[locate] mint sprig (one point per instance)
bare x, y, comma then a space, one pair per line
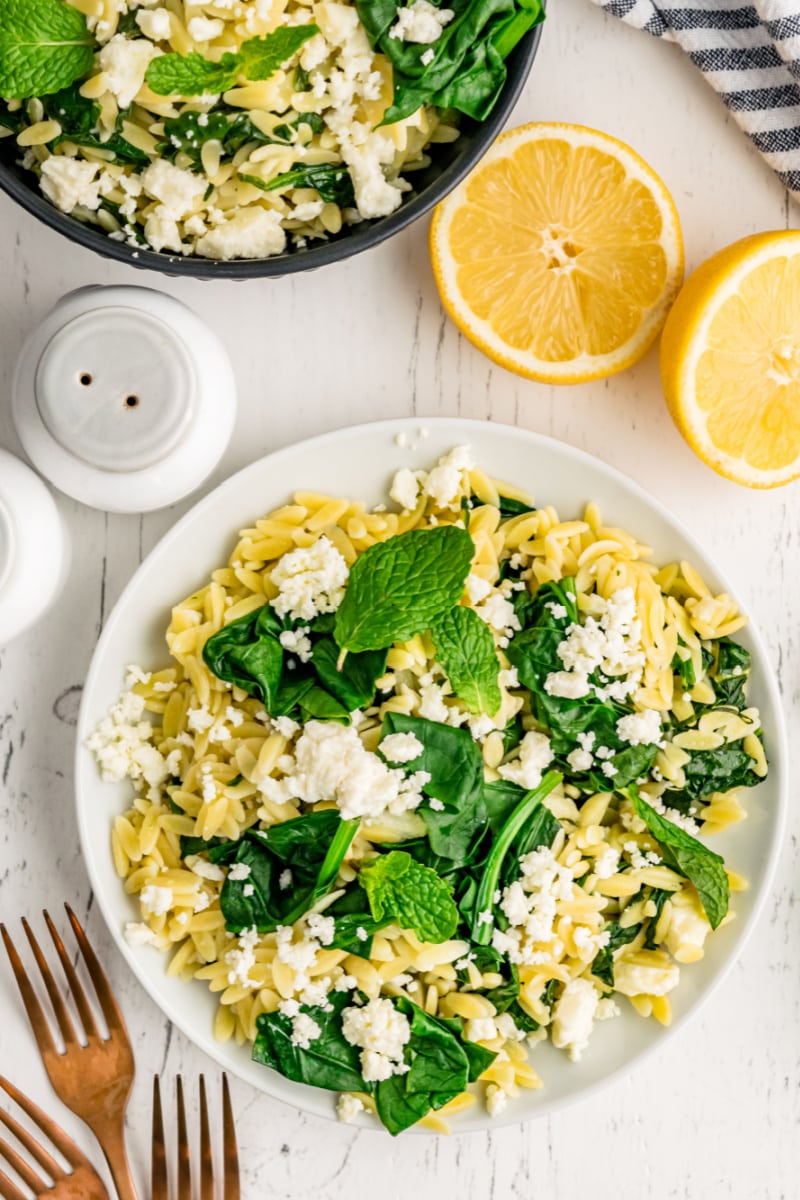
397, 588
465, 648
44, 46
402, 890
257, 59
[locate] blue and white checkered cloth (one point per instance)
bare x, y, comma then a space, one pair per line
749, 53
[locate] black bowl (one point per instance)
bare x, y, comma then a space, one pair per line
450, 163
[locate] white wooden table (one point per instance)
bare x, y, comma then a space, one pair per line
716, 1114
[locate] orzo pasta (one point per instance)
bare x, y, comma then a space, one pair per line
419, 789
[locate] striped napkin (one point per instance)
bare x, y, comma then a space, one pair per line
749, 53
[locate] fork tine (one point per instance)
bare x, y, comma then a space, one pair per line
56, 999
45, 1160
110, 1008
75, 985
8, 1190
184, 1163
231, 1150
206, 1156
158, 1170
39, 1023
54, 1132
23, 1169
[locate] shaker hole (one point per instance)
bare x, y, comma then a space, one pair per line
86, 379
131, 401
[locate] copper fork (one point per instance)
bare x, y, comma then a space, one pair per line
230, 1177
80, 1183
94, 1079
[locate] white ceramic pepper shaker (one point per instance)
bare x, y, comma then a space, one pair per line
34, 548
123, 398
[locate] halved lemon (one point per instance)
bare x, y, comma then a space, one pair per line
730, 360
560, 254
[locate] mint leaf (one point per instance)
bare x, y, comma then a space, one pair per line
191, 74
465, 648
401, 890
262, 56
45, 45
397, 588
691, 858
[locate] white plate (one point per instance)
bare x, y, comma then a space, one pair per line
359, 462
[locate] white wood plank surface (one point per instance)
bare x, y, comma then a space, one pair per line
717, 1114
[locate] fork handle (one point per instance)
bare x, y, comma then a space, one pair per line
111, 1136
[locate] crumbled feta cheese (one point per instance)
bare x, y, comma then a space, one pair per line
382, 1034
607, 863
252, 232
436, 804
535, 755
530, 904
645, 979
70, 182
348, 1107
331, 763
242, 958
156, 900
154, 23
401, 747
610, 643
124, 62
286, 727
199, 719
305, 1030
427, 58
297, 641
640, 728
499, 614
432, 705
420, 22
581, 759
322, 928
248, 890
478, 588
138, 934
204, 869
405, 489
496, 1100
688, 928
573, 1017
239, 872
285, 879
310, 581
205, 29
508, 678
136, 675
480, 1029
480, 725
444, 483
122, 745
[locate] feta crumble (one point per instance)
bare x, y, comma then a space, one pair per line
421, 22
310, 581
382, 1033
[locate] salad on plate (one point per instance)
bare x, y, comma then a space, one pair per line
424, 786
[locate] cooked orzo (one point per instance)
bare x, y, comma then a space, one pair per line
419, 789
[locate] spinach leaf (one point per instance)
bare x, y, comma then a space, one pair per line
354, 684
730, 673
465, 648
329, 1062
719, 770
455, 765
216, 849
311, 847
534, 650
468, 70
440, 1068
398, 587
334, 183
411, 895
603, 964
514, 508
189, 132
659, 897
490, 880
247, 653
79, 119
689, 857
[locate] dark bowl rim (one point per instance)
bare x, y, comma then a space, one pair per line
372, 234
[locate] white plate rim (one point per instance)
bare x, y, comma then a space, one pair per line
400, 430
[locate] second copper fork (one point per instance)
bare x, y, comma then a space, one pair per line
38, 1170
230, 1165
92, 1075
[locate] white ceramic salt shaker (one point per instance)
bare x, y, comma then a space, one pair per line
34, 548
124, 399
